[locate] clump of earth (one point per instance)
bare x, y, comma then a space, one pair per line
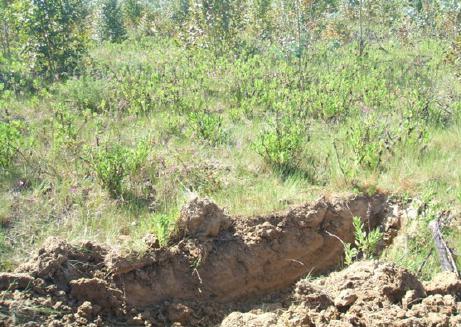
233, 271
367, 293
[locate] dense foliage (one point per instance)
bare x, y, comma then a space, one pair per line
111, 26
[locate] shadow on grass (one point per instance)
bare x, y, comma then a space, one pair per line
286, 172
135, 204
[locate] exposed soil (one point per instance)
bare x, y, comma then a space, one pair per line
234, 272
365, 294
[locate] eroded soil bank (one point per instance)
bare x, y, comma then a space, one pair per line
218, 264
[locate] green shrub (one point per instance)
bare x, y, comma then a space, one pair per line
208, 127
132, 10
367, 140
202, 178
113, 163
65, 131
172, 124
371, 139
10, 142
162, 227
366, 244
111, 168
84, 93
328, 96
138, 156
280, 145
350, 253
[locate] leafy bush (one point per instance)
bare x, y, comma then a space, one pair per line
200, 178
65, 131
350, 253
110, 165
163, 224
220, 21
208, 127
328, 96
139, 91
367, 140
113, 163
10, 143
370, 140
365, 244
280, 145
84, 93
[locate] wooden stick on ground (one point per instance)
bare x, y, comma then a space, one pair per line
444, 253
418, 273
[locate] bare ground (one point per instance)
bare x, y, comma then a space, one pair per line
220, 270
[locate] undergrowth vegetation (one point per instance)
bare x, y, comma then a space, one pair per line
365, 244
257, 104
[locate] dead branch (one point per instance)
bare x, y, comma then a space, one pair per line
446, 258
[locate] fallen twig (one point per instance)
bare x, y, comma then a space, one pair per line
424, 262
446, 258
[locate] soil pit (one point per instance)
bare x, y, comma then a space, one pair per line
230, 271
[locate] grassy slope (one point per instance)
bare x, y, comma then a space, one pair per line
147, 91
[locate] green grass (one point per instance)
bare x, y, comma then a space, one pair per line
161, 93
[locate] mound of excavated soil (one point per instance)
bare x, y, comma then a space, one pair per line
365, 294
216, 265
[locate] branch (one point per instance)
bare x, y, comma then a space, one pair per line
446, 258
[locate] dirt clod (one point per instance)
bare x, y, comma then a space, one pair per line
97, 291
13, 281
444, 283
202, 218
410, 298
264, 319
59, 262
151, 241
87, 310
346, 298
179, 313
312, 296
